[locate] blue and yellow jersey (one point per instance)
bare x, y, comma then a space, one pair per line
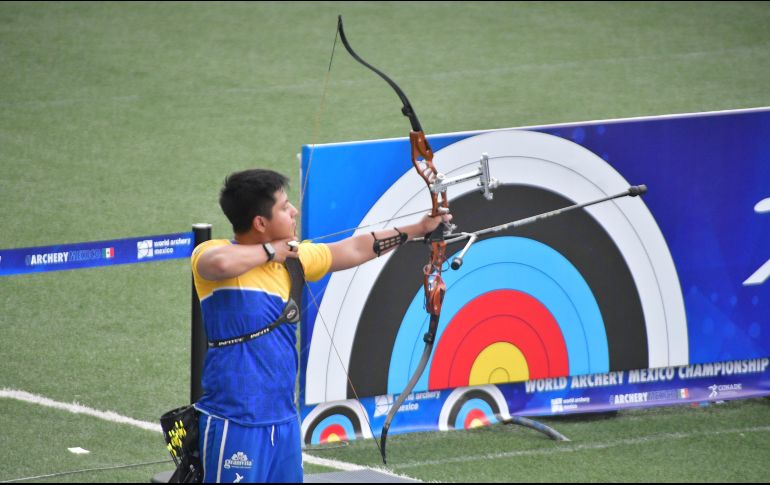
252, 383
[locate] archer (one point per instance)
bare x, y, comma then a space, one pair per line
249, 424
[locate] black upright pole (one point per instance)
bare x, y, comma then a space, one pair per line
202, 233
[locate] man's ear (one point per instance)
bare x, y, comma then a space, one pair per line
259, 224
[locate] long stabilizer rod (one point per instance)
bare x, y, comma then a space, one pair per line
633, 191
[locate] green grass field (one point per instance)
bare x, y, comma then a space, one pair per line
122, 119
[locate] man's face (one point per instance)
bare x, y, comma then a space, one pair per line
283, 224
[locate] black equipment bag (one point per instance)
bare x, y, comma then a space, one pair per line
180, 430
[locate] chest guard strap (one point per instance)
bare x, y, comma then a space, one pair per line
290, 313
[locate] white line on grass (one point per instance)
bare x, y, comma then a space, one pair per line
76, 408
566, 448
340, 465
114, 417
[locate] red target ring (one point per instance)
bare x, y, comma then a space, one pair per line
476, 418
336, 431
506, 316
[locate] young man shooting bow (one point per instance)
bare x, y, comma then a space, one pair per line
249, 427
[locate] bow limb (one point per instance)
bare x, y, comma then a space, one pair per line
407, 106
434, 287
412, 382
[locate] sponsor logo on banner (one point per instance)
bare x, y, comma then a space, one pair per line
630, 398
669, 395
727, 390
47, 258
561, 405
144, 249
151, 248
382, 405
65, 257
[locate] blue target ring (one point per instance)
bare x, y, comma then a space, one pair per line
471, 406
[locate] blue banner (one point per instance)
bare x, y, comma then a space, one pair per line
677, 280
61, 257
469, 407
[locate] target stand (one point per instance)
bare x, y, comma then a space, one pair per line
537, 426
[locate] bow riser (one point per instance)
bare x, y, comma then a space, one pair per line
434, 294
421, 149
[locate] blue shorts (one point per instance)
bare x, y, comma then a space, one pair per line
233, 453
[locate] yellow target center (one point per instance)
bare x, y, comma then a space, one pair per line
499, 363
476, 423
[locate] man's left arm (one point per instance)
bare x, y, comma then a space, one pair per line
357, 250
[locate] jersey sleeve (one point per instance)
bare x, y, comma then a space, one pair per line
316, 260
203, 286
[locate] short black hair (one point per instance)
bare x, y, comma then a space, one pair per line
248, 194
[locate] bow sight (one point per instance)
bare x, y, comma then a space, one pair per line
486, 182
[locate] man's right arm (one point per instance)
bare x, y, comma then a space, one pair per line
225, 262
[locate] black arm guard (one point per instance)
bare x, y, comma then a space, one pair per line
383, 245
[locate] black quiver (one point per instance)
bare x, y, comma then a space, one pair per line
180, 430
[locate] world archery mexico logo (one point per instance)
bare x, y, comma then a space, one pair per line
144, 249
382, 405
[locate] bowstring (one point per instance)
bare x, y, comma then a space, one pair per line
317, 124
339, 357
351, 229
301, 202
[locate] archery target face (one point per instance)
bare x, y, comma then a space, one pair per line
331, 423
591, 291
467, 408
